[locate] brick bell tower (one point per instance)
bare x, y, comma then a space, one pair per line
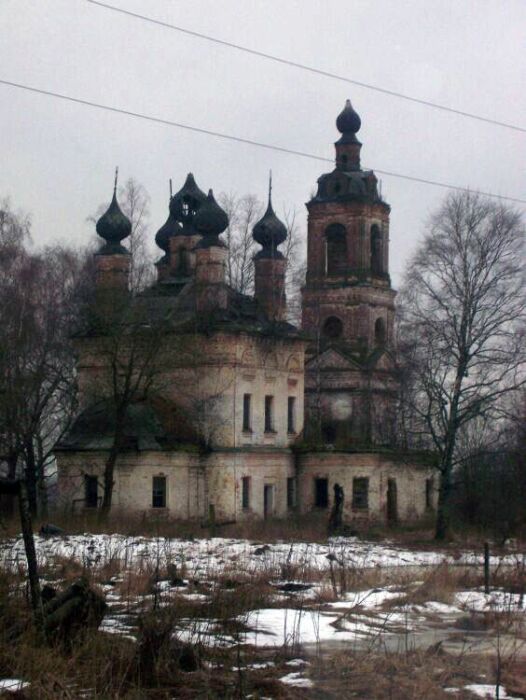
348, 302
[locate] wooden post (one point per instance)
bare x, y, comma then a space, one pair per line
486, 567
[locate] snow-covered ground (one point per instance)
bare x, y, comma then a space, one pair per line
210, 556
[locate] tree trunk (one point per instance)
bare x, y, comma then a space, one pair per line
32, 568
109, 471
31, 477
442, 525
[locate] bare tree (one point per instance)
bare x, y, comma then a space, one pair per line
462, 325
243, 213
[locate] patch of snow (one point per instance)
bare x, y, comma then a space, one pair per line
297, 680
478, 601
369, 599
488, 692
274, 627
12, 685
297, 662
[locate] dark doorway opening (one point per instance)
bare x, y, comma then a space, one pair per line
91, 491
268, 500
392, 501
321, 493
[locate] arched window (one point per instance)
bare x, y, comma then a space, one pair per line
376, 250
380, 332
336, 247
333, 327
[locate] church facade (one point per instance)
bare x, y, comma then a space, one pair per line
208, 402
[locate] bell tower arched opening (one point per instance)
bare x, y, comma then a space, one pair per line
376, 250
336, 249
380, 332
332, 328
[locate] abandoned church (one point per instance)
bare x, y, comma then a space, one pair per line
196, 399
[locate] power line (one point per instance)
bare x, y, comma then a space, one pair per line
310, 69
238, 139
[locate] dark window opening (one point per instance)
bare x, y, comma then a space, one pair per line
159, 492
344, 159
380, 334
291, 414
376, 250
336, 247
91, 491
360, 493
333, 327
429, 494
291, 492
245, 492
321, 493
246, 413
328, 431
392, 501
269, 418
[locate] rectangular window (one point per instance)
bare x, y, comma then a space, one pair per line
291, 492
245, 492
159, 492
291, 415
91, 491
246, 413
269, 418
321, 493
360, 493
429, 494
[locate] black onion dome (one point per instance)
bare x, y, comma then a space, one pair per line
168, 229
114, 226
269, 232
210, 221
187, 201
348, 121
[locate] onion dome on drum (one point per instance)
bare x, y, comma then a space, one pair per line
186, 203
168, 229
113, 226
269, 232
210, 221
348, 121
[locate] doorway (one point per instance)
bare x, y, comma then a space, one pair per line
321, 493
268, 500
392, 502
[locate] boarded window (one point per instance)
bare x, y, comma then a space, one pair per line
269, 410
336, 247
245, 492
246, 412
429, 494
360, 492
291, 492
321, 493
291, 414
91, 491
159, 492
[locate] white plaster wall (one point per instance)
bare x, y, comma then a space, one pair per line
342, 468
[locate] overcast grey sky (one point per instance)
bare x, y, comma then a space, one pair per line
58, 158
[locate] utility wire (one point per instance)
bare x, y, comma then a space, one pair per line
310, 69
238, 139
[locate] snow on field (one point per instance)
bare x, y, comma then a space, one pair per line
488, 692
209, 556
12, 685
